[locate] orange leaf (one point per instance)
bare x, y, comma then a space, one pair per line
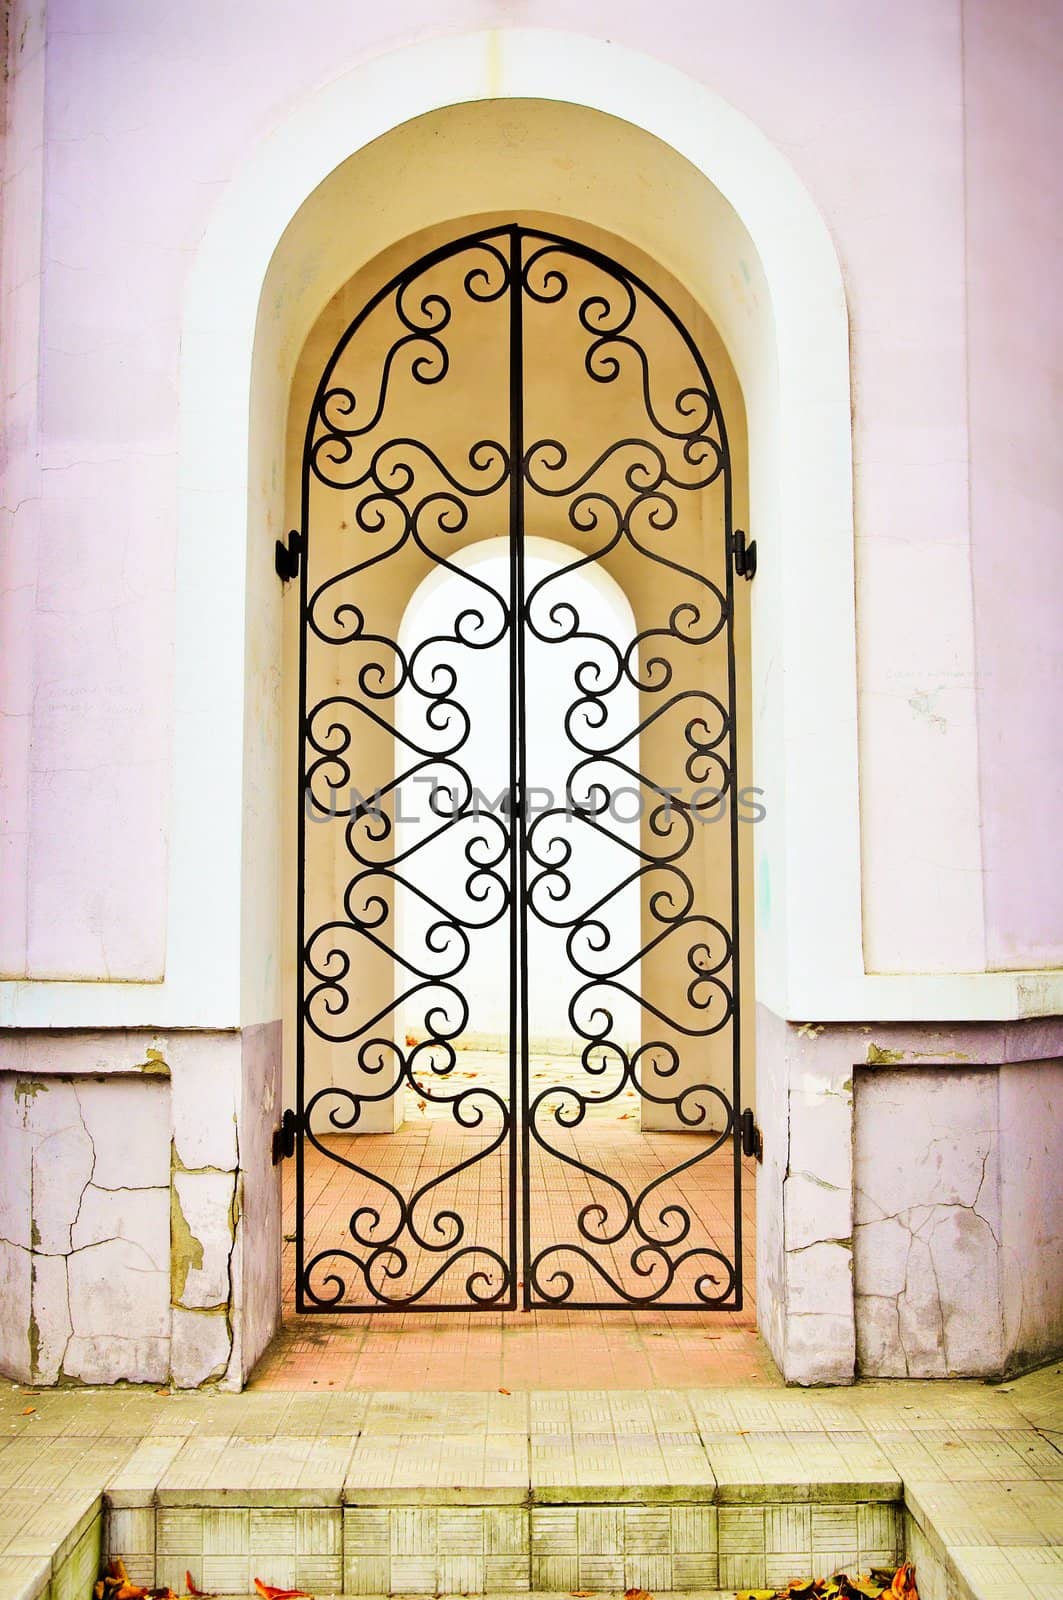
28, 1412
505, 1391
190, 1585
582, 1594
116, 1570
411, 1038
131, 1591
268, 1592
637, 1594
421, 1105
904, 1582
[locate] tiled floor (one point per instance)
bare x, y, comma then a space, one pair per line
541, 1348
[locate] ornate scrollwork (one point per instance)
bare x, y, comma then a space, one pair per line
400, 500
634, 1246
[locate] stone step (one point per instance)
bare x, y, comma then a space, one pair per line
502, 1494
418, 1542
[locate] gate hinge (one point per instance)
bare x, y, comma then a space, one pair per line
752, 1142
284, 1137
286, 556
745, 554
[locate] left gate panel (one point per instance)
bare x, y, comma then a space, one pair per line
405, 1169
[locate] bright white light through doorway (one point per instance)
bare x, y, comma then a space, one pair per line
597, 863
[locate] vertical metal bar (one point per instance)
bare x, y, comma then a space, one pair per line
736, 1014
300, 897
518, 737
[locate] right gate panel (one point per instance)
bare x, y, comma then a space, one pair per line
630, 1168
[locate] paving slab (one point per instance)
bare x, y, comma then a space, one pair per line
25, 1577
267, 1471
596, 1489
813, 1465
461, 1468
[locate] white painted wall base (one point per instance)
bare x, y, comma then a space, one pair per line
139, 1209
908, 1223
958, 1220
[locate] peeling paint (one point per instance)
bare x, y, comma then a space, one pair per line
940, 1055
33, 1332
877, 1057
186, 1251
154, 1066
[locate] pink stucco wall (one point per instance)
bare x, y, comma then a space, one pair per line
1013, 65
148, 112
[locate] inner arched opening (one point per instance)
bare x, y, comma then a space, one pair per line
554, 1042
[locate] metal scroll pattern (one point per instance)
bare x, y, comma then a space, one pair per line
405, 508
637, 1241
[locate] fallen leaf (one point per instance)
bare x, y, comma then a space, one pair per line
28, 1412
582, 1594
97, 1590
190, 1585
865, 1586
637, 1594
131, 1591
904, 1582
164, 1391
116, 1570
421, 1105
268, 1592
505, 1391
755, 1594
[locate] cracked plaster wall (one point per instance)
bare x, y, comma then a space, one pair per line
84, 1227
804, 1201
909, 1213
928, 1223
958, 1237
1031, 1203
125, 1251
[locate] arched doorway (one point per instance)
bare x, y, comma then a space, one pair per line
515, 384
455, 127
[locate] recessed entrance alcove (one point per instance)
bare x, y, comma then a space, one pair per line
521, 858
590, 177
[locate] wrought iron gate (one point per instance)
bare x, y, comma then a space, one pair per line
516, 393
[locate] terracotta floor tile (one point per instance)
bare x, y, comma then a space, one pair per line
611, 1346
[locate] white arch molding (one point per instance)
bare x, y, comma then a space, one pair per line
221, 970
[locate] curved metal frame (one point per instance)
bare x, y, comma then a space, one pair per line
517, 868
